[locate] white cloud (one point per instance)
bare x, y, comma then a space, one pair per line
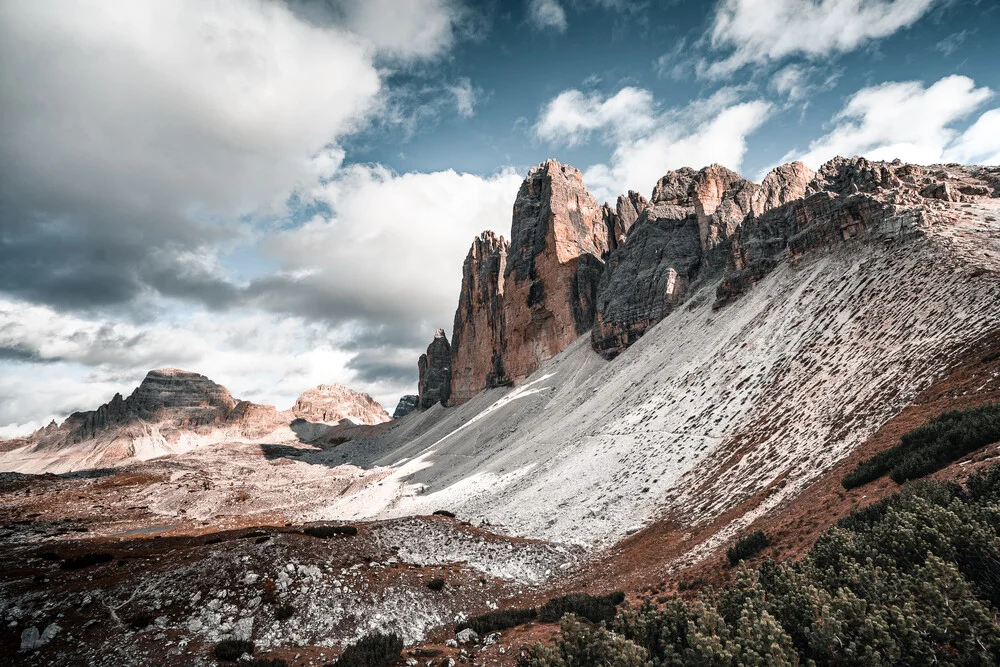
980, 143
648, 141
758, 31
407, 30
547, 14
909, 121
466, 98
571, 116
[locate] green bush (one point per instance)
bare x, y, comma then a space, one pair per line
284, 612
374, 650
594, 608
232, 649
498, 620
931, 447
747, 546
911, 580
435, 584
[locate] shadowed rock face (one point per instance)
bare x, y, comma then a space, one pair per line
331, 403
477, 337
684, 235
406, 405
558, 237
434, 385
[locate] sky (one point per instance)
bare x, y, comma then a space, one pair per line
280, 193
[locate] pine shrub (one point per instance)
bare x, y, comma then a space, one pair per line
498, 620
594, 608
329, 531
747, 546
373, 650
931, 447
86, 560
435, 584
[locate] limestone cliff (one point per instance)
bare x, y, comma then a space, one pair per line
477, 337
434, 368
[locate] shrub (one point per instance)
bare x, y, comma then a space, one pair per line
931, 447
435, 584
594, 608
284, 612
372, 650
86, 560
910, 580
450, 515
232, 649
747, 546
497, 620
329, 531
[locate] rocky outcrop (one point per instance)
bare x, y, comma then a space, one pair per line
558, 236
782, 185
434, 385
684, 235
333, 403
620, 219
847, 199
477, 337
187, 399
406, 405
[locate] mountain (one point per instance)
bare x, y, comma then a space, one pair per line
173, 411
758, 334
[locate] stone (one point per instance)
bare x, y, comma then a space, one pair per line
558, 236
406, 405
477, 336
333, 403
722, 199
619, 220
467, 635
434, 367
32, 640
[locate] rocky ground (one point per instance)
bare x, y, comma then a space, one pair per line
199, 548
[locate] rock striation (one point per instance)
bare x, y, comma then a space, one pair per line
477, 337
406, 405
434, 367
333, 403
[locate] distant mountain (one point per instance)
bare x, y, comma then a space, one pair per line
173, 411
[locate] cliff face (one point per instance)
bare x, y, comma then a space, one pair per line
477, 337
434, 367
685, 235
558, 237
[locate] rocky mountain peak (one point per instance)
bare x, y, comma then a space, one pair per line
434, 367
332, 403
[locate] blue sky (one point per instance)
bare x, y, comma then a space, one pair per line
279, 193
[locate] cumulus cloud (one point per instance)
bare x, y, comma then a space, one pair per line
914, 123
572, 116
466, 97
758, 31
547, 15
649, 141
